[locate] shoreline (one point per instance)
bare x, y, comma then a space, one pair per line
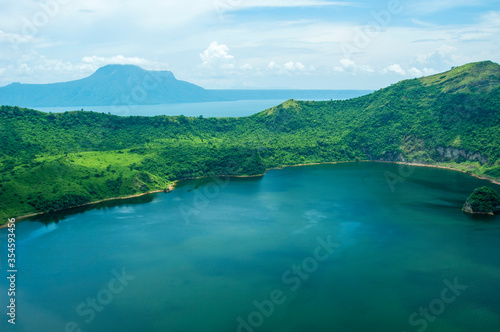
172, 186
497, 182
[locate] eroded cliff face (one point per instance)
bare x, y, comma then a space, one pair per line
454, 154
393, 157
468, 208
440, 154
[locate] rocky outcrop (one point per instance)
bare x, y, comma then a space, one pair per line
454, 154
484, 200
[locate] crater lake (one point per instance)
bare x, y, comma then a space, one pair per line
345, 247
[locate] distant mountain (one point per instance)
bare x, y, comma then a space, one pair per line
131, 85
109, 85
226, 95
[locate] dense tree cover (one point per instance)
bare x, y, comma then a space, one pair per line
53, 161
483, 200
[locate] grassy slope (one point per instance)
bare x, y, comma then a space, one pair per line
53, 161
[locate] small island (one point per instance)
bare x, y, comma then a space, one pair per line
483, 200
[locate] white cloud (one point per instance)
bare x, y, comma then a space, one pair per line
294, 66
348, 65
290, 68
415, 72
92, 63
290, 65
14, 38
117, 59
146, 33
395, 68
24, 68
492, 18
441, 57
272, 65
217, 55
35, 68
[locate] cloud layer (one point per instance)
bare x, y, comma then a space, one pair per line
247, 43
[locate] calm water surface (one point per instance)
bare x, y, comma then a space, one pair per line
252, 254
207, 109
236, 108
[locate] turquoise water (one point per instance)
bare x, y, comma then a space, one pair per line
207, 109
319, 248
236, 108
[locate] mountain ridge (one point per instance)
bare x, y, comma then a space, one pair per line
476, 77
109, 85
125, 85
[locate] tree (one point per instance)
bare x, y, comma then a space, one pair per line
483, 200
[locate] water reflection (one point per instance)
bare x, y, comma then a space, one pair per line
56, 217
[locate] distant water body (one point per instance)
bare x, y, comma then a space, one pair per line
341, 247
237, 108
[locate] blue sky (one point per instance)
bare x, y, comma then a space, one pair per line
304, 44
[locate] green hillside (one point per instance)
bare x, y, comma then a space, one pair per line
479, 77
54, 161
